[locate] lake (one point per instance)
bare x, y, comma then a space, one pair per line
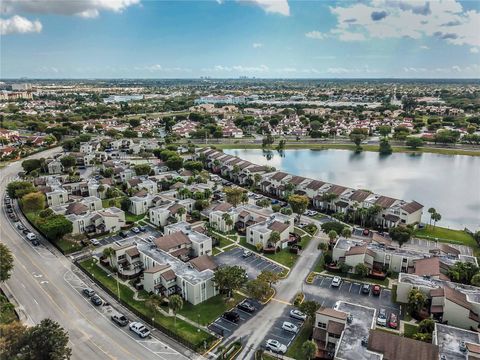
449, 183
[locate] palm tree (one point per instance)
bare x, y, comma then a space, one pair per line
309, 349
227, 219
431, 211
153, 302
175, 303
372, 212
181, 211
332, 235
109, 252
435, 217
274, 238
256, 179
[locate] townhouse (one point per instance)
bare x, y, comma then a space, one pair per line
97, 222
259, 234
167, 211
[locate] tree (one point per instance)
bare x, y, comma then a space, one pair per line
68, 161
385, 147
298, 203
346, 232
475, 281
31, 164
142, 169
6, 262
230, 278
431, 211
227, 219
258, 289
384, 130
269, 277
108, 253
463, 272
332, 225
17, 189
309, 349
400, 234
256, 179
181, 211
416, 300
426, 326
436, 217
309, 308
175, 303
274, 238
125, 204
34, 201
174, 162
357, 139
414, 142
332, 235
193, 165
54, 227
361, 270
153, 302
134, 122
234, 195
345, 268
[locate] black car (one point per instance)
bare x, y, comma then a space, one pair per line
123, 234
365, 289
232, 316
25, 231
120, 319
142, 228
10, 210
95, 299
246, 306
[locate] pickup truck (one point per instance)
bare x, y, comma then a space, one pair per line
139, 329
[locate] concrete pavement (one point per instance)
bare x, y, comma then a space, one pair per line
42, 283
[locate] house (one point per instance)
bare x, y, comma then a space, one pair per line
456, 343
55, 167
99, 222
259, 234
160, 215
57, 197
196, 243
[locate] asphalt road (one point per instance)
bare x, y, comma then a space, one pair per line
44, 284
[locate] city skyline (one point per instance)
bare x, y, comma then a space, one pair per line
228, 39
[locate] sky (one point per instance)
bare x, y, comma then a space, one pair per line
232, 38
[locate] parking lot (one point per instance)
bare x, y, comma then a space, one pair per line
149, 231
349, 291
253, 264
224, 327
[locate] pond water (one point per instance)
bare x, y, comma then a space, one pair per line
449, 183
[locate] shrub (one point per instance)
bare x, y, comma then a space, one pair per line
332, 225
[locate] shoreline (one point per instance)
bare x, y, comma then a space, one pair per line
371, 148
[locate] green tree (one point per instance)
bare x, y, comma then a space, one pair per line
309, 308
34, 201
227, 219
332, 235
426, 326
142, 169
475, 280
17, 189
230, 278
431, 211
346, 232
258, 289
54, 227
361, 270
174, 162
274, 238
416, 300
6, 262
400, 234
175, 303
463, 272
414, 142
309, 349
436, 217
153, 302
298, 203
256, 179
385, 147
234, 195
68, 161
134, 122
269, 277
108, 253
384, 130
193, 165
31, 164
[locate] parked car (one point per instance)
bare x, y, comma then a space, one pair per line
94, 242
246, 306
246, 253
151, 238
31, 236
337, 281
393, 321
95, 299
376, 290
275, 346
89, 292
142, 228
365, 289
35, 243
123, 234
10, 210
232, 316
382, 317
366, 232
288, 326
297, 314
20, 226
139, 329
120, 319
25, 231
135, 230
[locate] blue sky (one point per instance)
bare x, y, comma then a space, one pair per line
224, 39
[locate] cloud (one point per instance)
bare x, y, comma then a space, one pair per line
257, 45
19, 25
401, 19
316, 35
378, 15
425, 47
474, 50
159, 68
238, 68
271, 6
83, 8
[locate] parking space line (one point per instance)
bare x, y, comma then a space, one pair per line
222, 327
350, 288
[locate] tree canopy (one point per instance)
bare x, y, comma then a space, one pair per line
6, 262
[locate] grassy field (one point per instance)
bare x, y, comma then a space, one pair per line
446, 235
374, 148
209, 310
223, 241
182, 329
295, 349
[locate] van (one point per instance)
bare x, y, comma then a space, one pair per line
31, 236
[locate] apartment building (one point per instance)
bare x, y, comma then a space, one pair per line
99, 222
259, 234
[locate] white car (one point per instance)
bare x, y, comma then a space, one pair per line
297, 314
95, 242
247, 253
275, 346
151, 238
139, 329
337, 281
382, 317
136, 230
288, 326
31, 236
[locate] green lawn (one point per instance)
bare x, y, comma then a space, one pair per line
409, 330
446, 235
117, 202
223, 242
183, 329
295, 349
215, 251
129, 217
7, 312
284, 256
211, 309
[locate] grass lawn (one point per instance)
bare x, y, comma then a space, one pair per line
318, 216
384, 283
295, 349
117, 202
446, 235
223, 242
409, 330
215, 251
7, 312
211, 309
284, 256
129, 217
182, 329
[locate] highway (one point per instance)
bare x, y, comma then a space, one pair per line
45, 285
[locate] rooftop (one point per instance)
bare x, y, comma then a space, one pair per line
448, 339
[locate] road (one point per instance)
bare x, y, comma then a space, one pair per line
44, 284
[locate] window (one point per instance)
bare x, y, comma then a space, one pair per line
322, 325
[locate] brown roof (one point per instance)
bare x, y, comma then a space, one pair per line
358, 250
394, 347
335, 327
315, 185
76, 208
437, 292
171, 241
385, 201
456, 297
412, 207
279, 176
134, 182
359, 195
180, 252
141, 193
174, 208
332, 313
168, 275
319, 334
244, 214
203, 262
132, 252
223, 207
156, 268
449, 249
297, 180
336, 189
106, 181
473, 348
428, 266
278, 226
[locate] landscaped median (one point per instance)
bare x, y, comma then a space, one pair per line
184, 332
